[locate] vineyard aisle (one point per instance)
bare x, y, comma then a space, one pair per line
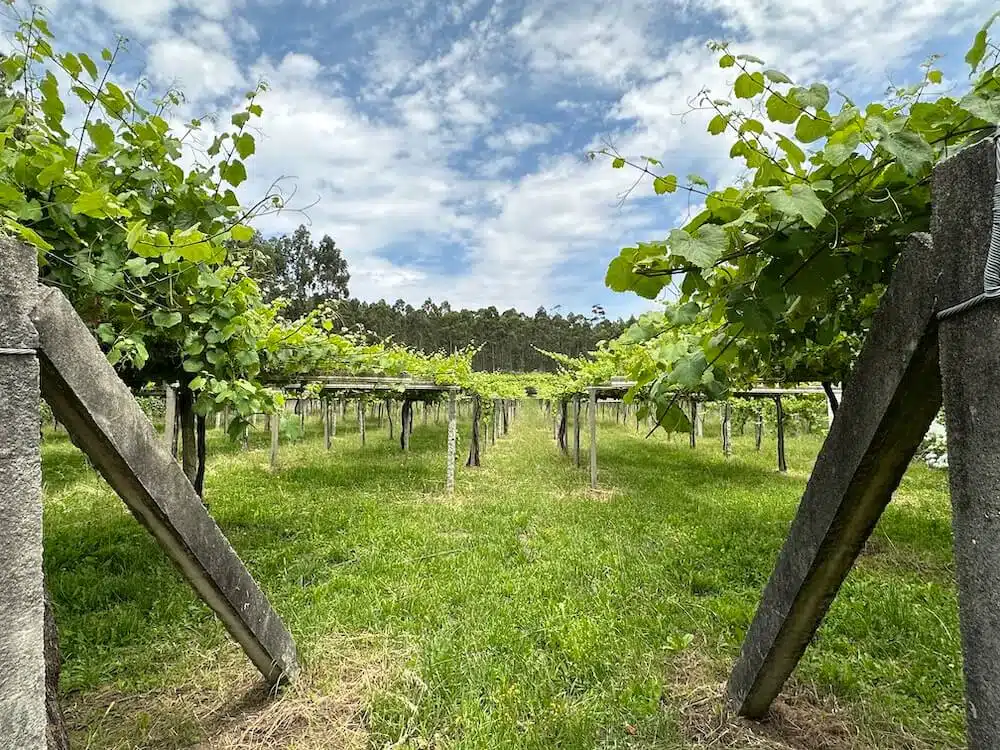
525, 610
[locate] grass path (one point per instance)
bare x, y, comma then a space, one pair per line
524, 611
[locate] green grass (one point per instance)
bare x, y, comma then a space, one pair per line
524, 611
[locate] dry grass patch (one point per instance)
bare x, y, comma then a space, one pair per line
800, 719
327, 707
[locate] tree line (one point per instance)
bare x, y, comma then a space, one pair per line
308, 273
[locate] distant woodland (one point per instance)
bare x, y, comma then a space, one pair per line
309, 273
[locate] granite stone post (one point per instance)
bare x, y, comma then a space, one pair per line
965, 217
22, 604
890, 400
452, 443
694, 424
325, 411
104, 418
275, 420
593, 437
727, 430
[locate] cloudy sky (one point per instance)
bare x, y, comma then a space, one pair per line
444, 141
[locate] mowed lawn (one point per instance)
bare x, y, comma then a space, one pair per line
523, 611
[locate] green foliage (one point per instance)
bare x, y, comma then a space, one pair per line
303, 272
526, 613
786, 267
136, 240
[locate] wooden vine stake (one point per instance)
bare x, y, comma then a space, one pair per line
780, 428
576, 431
477, 415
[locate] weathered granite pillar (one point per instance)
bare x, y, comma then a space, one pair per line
965, 217
592, 416
694, 424
101, 414
452, 442
22, 604
727, 430
890, 400
275, 422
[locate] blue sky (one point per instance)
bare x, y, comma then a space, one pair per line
444, 142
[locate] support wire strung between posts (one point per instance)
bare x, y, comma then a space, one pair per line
991, 274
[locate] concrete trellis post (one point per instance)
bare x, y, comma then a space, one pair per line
275, 421
694, 423
105, 420
727, 429
893, 395
593, 437
966, 223
22, 614
452, 442
758, 427
325, 412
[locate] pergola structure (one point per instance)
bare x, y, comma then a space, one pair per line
616, 389
409, 390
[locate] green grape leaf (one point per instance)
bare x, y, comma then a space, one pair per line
985, 105
799, 201
688, 371
816, 96
840, 146
102, 136
165, 319
776, 76
749, 85
910, 149
88, 65
233, 172
703, 247
245, 145
241, 233
978, 49
666, 184
809, 128
718, 124
780, 109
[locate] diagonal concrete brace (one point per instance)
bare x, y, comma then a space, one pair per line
98, 409
887, 406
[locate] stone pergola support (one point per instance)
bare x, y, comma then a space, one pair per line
105, 420
22, 612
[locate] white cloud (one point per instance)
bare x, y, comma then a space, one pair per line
397, 159
522, 136
198, 71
